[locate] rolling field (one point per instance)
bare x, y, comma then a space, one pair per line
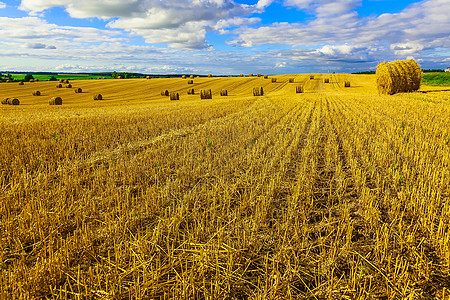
334, 193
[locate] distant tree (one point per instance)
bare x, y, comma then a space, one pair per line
53, 78
114, 75
28, 77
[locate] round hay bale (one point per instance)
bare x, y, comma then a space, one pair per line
299, 89
326, 80
55, 101
259, 74
61, 80
164, 93
68, 86
190, 91
174, 96
98, 97
274, 80
223, 92
148, 77
191, 77
241, 75
258, 91
347, 84
311, 77
266, 76
291, 80
399, 76
21, 83
119, 77
78, 90
66, 81
209, 75
183, 76
250, 75
13, 101
206, 94
103, 77
190, 81
31, 80
5, 100
58, 86
36, 80
8, 81
1, 80
36, 93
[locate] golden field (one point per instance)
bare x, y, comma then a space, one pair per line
334, 193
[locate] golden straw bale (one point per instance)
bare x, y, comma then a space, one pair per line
291, 80
274, 80
13, 101
5, 100
69, 86
31, 80
58, 86
250, 75
61, 80
190, 81
209, 75
259, 74
36, 93
398, 77
347, 84
119, 77
266, 76
164, 93
1, 80
190, 91
37, 79
326, 80
311, 77
148, 77
258, 91
8, 81
78, 90
55, 101
223, 92
191, 77
98, 97
299, 89
206, 94
21, 83
66, 81
183, 76
174, 96
241, 75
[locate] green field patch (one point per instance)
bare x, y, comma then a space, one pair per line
441, 78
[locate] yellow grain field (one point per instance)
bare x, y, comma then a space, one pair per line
333, 193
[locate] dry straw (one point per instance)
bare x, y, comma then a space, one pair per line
291, 80
148, 77
274, 80
31, 80
36, 93
347, 84
183, 76
190, 91
326, 80
98, 97
241, 75
66, 81
223, 92
206, 94
164, 93
5, 100
400, 76
259, 74
55, 101
78, 90
36, 80
299, 89
69, 86
58, 86
8, 81
174, 96
250, 75
266, 76
190, 81
311, 77
191, 77
13, 101
21, 83
61, 80
209, 75
258, 91
119, 77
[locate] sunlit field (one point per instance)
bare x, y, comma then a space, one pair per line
334, 193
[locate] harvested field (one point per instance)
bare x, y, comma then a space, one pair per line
333, 193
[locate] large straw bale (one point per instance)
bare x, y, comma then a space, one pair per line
5, 100
190, 81
209, 75
164, 93
13, 101
174, 96
241, 75
98, 97
36, 93
274, 80
223, 92
398, 77
326, 80
266, 76
183, 76
347, 84
250, 75
258, 91
55, 101
78, 90
21, 83
190, 91
206, 94
299, 89
191, 77
69, 86
291, 80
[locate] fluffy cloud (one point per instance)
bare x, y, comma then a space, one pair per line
2, 5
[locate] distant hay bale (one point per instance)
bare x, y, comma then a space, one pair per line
103, 77
326, 80
78, 90
58, 86
250, 75
36, 93
164, 93
21, 83
119, 77
206, 94
5, 100
191, 77
13, 101
241, 75
1, 80
209, 75
37, 79
291, 80
61, 80
8, 81
31, 80
55, 101
259, 74
299, 89
190, 81
311, 77
400, 76
183, 76
223, 92
68, 86
174, 96
148, 77
98, 97
258, 91
66, 81
347, 84
266, 76
190, 91
274, 80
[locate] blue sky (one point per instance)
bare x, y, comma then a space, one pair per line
221, 36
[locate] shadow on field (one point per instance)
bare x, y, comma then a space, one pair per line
433, 91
